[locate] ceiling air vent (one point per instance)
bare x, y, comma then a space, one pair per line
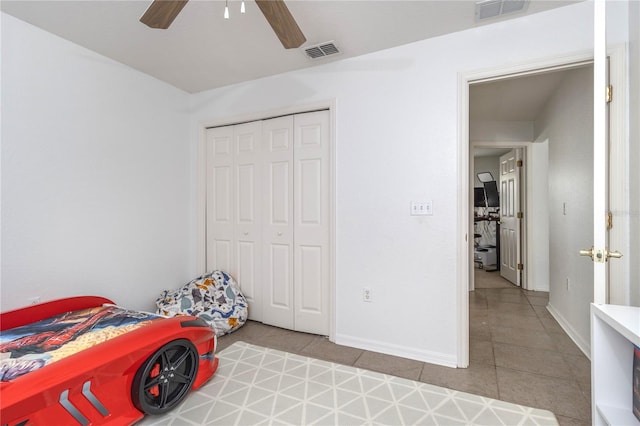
321, 50
491, 8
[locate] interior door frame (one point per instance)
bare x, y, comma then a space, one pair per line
527, 276
464, 275
201, 185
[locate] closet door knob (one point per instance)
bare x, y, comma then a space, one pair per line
246, 232
279, 234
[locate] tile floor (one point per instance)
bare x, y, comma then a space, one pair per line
518, 353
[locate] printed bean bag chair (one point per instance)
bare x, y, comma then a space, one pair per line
215, 297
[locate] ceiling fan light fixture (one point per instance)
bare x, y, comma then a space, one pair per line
242, 9
226, 10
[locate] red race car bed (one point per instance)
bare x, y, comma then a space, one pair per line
85, 361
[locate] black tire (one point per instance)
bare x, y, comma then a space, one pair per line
164, 380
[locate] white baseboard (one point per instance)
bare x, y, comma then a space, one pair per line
397, 350
583, 345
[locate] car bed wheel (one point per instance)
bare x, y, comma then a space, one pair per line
164, 380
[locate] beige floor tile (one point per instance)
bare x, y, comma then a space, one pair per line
479, 379
538, 300
536, 361
479, 330
568, 421
562, 397
269, 337
286, 340
512, 308
507, 296
580, 367
542, 312
564, 343
481, 352
484, 279
513, 290
322, 348
523, 337
500, 319
389, 364
551, 325
477, 298
585, 387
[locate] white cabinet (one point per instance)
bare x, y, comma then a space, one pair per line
614, 331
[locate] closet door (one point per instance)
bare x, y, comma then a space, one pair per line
311, 222
247, 268
220, 199
277, 224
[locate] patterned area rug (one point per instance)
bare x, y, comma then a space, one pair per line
256, 385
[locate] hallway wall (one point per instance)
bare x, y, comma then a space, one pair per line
567, 122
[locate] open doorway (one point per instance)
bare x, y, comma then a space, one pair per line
497, 206
542, 114
505, 116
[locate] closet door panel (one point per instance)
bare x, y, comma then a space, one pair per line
311, 263
248, 211
311, 228
220, 199
277, 226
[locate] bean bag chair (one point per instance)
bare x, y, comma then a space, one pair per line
215, 297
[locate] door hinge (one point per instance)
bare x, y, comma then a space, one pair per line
609, 220
609, 94
520, 266
519, 163
520, 215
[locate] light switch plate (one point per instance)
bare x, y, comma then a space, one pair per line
421, 208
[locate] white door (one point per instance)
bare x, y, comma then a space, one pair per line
247, 268
234, 207
311, 217
599, 252
509, 220
220, 199
268, 199
277, 225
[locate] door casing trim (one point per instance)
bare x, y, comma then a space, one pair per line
464, 230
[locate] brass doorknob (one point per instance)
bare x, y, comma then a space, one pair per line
587, 252
615, 254
600, 256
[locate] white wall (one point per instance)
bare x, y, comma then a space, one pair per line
500, 131
538, 211
566, 123
396, 133
95, 175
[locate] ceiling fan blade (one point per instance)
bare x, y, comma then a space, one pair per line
282, 22
161, 13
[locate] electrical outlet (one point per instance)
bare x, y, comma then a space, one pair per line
366, 294
34, 300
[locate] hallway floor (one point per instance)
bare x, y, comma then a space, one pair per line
518, 353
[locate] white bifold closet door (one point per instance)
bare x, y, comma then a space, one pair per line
275, 236
234, 204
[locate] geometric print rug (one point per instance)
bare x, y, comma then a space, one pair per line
261, 386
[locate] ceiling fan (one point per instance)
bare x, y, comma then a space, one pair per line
161, 14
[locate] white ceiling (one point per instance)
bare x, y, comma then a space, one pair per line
202, 51
513, 99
